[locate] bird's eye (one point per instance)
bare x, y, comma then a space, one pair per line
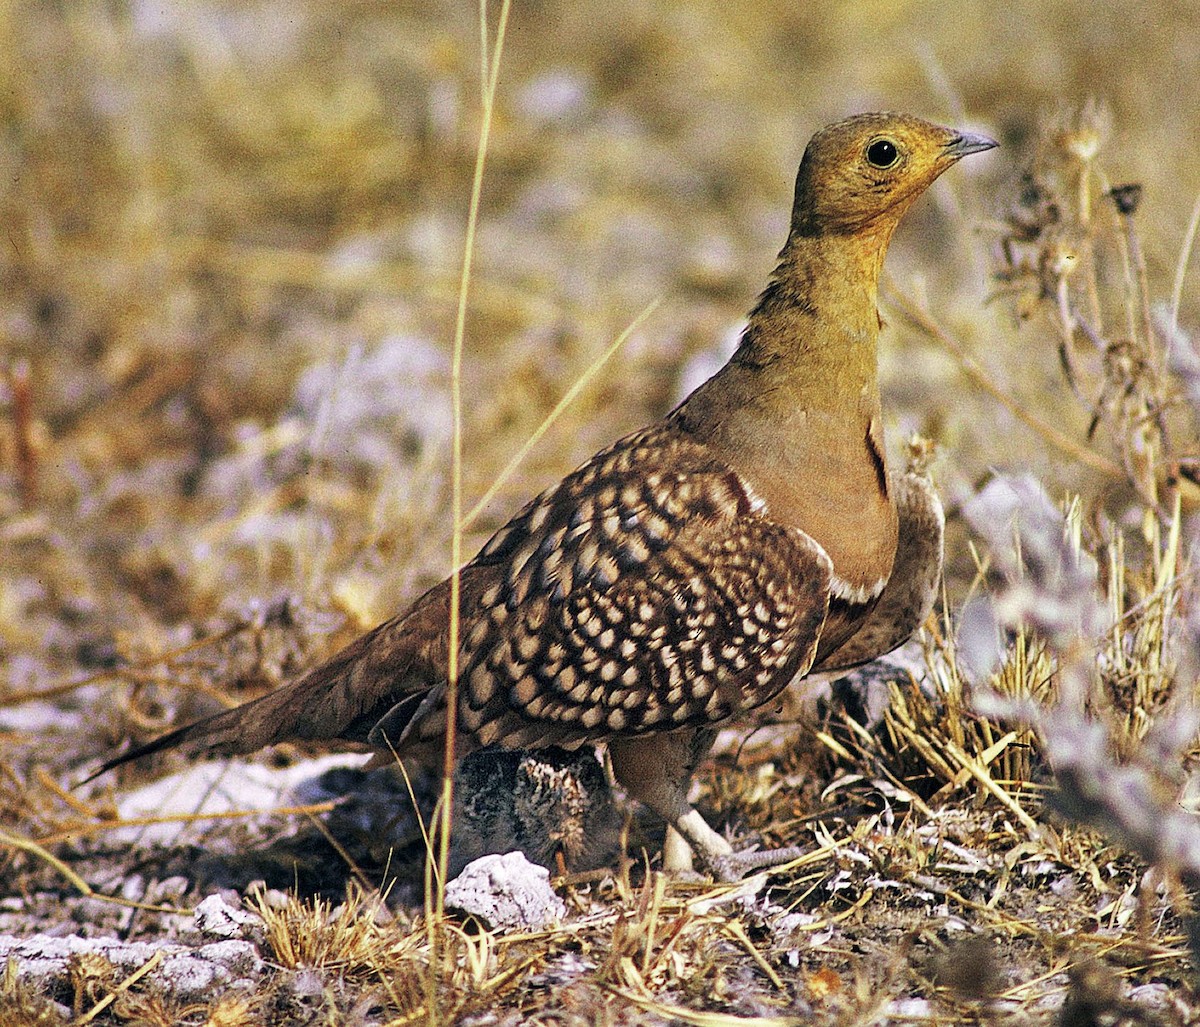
882, 153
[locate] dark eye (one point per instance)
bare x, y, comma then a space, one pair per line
882, 153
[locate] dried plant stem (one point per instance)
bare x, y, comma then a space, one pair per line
34, 849
490, 77
1185, 255
568, 398
79, 831
921, 319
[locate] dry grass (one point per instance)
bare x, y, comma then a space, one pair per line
231, 267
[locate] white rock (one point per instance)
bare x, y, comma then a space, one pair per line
240, 958
213, 787
42, 960
217, 917
506, 892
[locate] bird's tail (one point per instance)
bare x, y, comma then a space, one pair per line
340, 700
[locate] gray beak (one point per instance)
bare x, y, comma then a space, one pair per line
967, 143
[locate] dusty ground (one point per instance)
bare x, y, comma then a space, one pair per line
230, 264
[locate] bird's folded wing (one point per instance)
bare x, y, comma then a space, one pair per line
643, 593
631, 603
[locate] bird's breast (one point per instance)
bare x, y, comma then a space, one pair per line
833, 486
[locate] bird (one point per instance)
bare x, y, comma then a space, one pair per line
553, 805
687, 574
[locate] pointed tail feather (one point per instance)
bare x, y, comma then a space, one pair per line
200, 729
340, 700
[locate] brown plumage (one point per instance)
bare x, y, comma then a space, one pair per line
685, 575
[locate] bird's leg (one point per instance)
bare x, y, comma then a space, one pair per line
676, 852
656, 770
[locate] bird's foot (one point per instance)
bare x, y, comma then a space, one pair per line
733, 866
690, 834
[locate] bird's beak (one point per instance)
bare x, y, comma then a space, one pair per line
966, 143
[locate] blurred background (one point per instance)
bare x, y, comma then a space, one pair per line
231, 243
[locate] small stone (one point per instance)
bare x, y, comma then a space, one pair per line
214, 916
133, 888
169, 890
273, 898
240, 958
507, 892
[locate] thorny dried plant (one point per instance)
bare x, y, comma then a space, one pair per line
1117, 752
1112, 698
1071, 256
1072, 264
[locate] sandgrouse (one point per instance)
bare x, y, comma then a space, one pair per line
686, 574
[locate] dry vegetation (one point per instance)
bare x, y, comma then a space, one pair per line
229, 266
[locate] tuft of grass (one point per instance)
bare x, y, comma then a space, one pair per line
421, 973
317, 935
25, 1005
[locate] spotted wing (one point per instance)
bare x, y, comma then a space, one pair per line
643, 593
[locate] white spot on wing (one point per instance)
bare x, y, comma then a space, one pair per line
840, 588
757, 504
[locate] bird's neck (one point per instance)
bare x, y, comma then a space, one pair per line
809, 349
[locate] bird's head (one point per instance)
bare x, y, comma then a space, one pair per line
867, 170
